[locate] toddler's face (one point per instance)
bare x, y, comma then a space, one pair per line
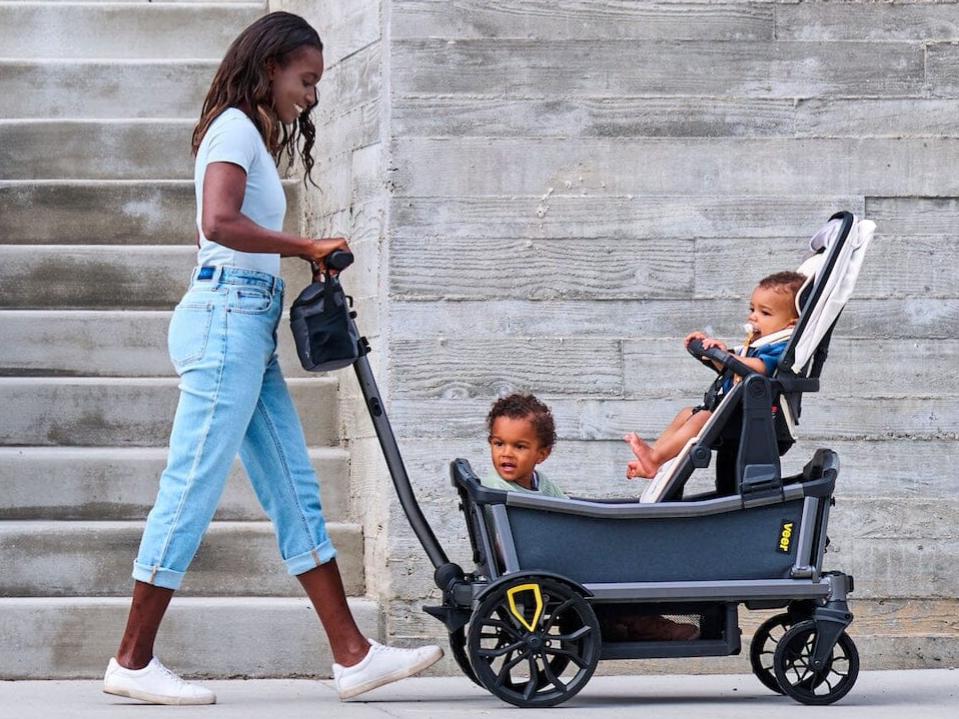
515, 449
771, 310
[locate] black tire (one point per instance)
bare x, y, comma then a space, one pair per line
793, 666
763, 648
458, 649
565, 636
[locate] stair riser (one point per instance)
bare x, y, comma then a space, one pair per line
108, 278
116, 484
109, 90
95, 559
212, 638
133, 413
96, 150
124, 30
145, 213
101, 344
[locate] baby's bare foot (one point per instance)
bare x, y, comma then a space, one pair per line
634, 469
644, 455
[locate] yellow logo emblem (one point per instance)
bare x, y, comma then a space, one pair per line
537, 604
785, 537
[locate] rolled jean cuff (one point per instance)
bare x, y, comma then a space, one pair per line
158, 576
320, 554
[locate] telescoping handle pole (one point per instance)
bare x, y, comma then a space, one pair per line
339, 260
394, 462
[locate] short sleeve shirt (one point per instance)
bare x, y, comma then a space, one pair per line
543, 485
770, 355
232, 137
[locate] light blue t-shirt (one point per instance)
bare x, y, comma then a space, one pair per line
232, 137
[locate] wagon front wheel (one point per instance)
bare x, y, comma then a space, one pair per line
534, 642
793, 664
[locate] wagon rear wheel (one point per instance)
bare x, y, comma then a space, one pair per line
763, 647
458, 649
533, 642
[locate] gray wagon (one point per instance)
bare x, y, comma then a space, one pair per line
528, 621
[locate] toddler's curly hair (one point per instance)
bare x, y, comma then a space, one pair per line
525, 406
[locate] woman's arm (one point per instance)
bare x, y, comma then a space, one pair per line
224, 185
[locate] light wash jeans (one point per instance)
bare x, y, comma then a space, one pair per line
233, 398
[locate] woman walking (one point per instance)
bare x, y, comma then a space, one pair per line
233, 399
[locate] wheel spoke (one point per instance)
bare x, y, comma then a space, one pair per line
499, 651
490, 622
533, 684
574, 636
573, 656
554, 615
507, 668
551, 675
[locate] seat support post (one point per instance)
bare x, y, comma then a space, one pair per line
758, 471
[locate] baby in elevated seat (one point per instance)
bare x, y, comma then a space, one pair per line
521, 436
772, 315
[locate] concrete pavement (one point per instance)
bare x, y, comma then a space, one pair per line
924, 694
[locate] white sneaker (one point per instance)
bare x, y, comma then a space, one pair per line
383, 665
154, 683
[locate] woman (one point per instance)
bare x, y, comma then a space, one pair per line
233, 398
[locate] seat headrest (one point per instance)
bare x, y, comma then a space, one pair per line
843, 261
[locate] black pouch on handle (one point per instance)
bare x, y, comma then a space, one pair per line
326, 338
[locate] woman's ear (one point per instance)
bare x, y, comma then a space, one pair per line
271, 68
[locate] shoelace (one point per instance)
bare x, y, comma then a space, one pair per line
395, 650
172, 675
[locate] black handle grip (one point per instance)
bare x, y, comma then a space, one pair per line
728, 360
696, 349
339, 260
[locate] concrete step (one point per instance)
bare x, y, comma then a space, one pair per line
108, 213
120, 483
110, 343
100, 277
134, 2
96, 149
67, 559
44, 411
121, 30
96, 89
215, 637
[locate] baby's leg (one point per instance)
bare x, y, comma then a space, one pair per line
671, 444
647, 457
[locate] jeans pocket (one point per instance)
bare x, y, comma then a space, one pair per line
189, 334
251, 300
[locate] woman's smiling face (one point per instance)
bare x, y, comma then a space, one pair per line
294, 87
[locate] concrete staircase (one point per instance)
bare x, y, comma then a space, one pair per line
96, 231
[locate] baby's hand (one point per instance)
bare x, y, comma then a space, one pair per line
713, 342
693, 336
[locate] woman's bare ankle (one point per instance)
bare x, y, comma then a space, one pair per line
133, 662
353, 653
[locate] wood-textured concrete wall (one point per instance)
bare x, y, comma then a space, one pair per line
574, 185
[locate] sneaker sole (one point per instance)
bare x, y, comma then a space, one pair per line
394, 677
156, 698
